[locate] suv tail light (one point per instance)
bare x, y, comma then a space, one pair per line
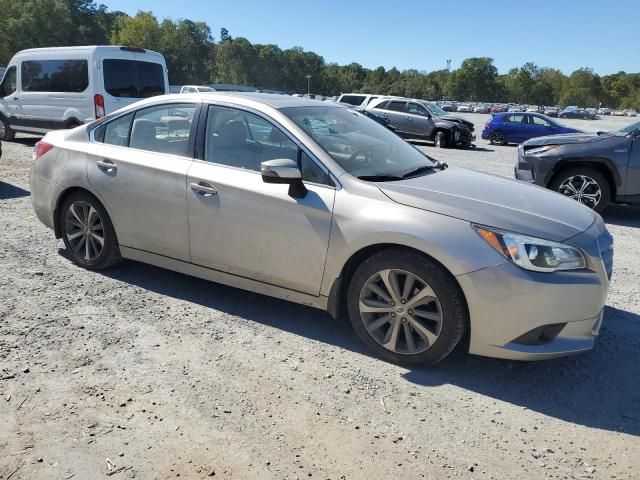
40, 149
98, 101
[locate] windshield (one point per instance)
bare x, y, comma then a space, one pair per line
361, 146
630, 128
436, 110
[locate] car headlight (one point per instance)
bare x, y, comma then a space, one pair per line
539, 150
533, 253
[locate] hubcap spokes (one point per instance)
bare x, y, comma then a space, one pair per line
84, 230
583, 189
400, 311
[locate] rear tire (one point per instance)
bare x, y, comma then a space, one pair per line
422, 313
440, 140
497, 138
6, 133
585, 185
87, 232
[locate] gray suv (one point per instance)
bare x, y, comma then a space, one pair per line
413, 118
593, 168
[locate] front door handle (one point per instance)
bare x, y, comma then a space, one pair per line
204, 189
106, 165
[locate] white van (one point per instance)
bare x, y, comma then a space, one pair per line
46, 89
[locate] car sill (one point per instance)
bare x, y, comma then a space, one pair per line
224, 278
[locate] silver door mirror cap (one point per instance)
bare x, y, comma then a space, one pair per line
280, 170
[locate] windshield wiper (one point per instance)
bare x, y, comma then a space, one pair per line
425, 168
379, 178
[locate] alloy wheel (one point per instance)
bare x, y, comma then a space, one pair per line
400, 311
582, 188
498, 138
84, 230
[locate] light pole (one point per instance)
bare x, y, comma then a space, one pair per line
308, 77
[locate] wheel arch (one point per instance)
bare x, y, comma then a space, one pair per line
60, 200
336, 305
602, 165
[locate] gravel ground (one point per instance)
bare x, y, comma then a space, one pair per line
152, 374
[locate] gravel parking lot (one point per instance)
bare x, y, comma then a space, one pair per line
141, 372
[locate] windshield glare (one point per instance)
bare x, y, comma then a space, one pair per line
630, 128
361, 146
436, 110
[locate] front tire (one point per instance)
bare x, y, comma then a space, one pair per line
87, 232
406, 308
6, 133
440, 140
585, 185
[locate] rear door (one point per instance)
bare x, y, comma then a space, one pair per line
419, 121
138, 168
514, 127
397, 115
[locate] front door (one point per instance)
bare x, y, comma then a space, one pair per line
141, 177
240, 225
419, 121
10, 106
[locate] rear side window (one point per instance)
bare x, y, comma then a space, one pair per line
133, 78
116, 132
396, 106
163, 129
352, 99
514, 118
71, 76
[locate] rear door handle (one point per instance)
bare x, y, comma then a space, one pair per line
204, 189
106, 165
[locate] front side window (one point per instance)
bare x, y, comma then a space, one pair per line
9, 83
241, 139
70, 76
163, 129
417, 109
133, 78
361, 146
382, 105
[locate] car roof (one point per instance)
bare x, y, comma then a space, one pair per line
273, 100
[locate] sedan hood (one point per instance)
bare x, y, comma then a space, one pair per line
455, 119
493, 201
564, 139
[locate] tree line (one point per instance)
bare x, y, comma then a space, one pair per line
194, 56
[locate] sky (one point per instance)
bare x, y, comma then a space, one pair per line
563, 34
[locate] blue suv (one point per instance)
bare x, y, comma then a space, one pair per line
518, 127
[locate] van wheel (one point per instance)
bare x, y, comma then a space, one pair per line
6, 133
440, 140
71, 123
87, 232
406, 308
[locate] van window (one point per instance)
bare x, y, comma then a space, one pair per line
352, 99
133, 78
55, 76
9, 84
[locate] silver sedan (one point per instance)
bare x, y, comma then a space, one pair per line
318, 204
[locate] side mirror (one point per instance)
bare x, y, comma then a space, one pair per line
284, 170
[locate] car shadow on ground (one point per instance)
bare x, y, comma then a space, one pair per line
8, 191
26, 141
622, 215
599, 389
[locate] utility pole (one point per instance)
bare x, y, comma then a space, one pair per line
308, 77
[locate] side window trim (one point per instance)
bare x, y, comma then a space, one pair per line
201, 134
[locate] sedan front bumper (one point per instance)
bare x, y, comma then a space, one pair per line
523, 315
